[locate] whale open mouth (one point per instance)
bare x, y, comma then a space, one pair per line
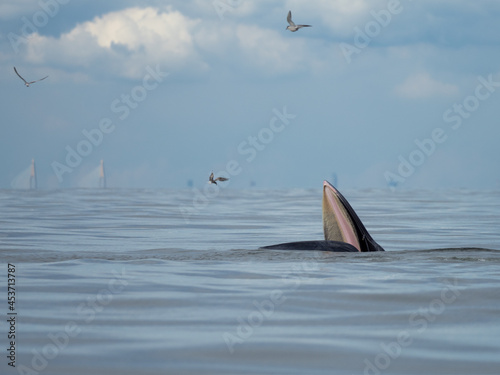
341, 223
344, 231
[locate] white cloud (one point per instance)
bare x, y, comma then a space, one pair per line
270, 51
124, 42
136, 28
421, 85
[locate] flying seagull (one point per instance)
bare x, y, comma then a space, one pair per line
293, 27
26, 83
214, 181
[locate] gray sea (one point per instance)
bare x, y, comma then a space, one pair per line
164, 282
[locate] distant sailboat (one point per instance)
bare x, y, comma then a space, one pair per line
102, 176
33, 182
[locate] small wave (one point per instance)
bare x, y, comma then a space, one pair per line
465, 254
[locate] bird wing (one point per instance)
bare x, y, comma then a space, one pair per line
15, 70
211, 178
289, 18
221, 179
38, 80
299, 26
41, 79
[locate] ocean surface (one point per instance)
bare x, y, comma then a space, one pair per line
171, 282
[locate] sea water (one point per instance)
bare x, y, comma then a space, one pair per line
159, 282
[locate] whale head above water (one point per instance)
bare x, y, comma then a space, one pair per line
343, 230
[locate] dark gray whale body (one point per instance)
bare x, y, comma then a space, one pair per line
337, 246
344, 231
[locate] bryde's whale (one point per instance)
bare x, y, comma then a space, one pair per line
344, 231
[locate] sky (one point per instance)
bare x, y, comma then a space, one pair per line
376, 94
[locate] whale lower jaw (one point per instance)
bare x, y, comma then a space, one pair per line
337, 220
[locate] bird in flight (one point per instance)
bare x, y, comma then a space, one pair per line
214, 181
293, 27
26, 83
